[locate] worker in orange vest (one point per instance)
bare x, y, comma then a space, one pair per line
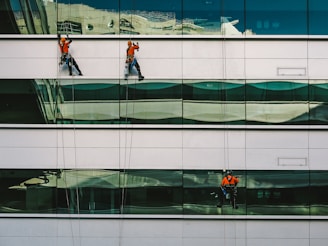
131, 61
66, 57
229, 189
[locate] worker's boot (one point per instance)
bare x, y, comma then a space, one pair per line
140, 76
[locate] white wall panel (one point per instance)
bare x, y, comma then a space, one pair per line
276, 49
151, 158
97, 158
28, 48
38, 138
203, 68
28, 68
93, 68
233, 49
318, 139
287, 229
167, 59
318, 49
277, 139
203, 49
151, 138
318, 158
157, 49
28, 157
317, 68
203, 158
213, 158
266, 69
90, 48
279, 241
163, 68
167, 149
162, 232
98, 138
266, 159
234, 68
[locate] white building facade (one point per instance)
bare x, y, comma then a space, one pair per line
97, 159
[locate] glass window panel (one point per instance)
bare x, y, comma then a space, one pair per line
152, 90
318, 194
91, 101
149, 102
317, 16
202, 193
277, 91
87, 16
276, 17
152, 191
214, 90
269, 192
26, 191
213, 17
216, 102
318, 101
318, 91
19, 102
318, 113
277, 192
277, 102
150, 17
88, 191
36, 16
16, 8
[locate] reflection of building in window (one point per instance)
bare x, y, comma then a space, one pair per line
70, 27
136, 21
89, 27
30, 16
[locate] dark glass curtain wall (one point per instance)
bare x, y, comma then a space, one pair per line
192, 192
171, 17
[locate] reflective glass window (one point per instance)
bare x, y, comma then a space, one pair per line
25, 191
158, 102
277, 102
150, 17
86, 16
212, 101
192, 192
318, 98
318, 17
276, 17
20, 102
318, 91
213, 17
318, 194
18, 13
277, 192
195, 17
202, 193
88, 102
87, 191
152, 192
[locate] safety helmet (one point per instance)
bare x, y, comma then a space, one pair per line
62, 40
129, 43
229, 172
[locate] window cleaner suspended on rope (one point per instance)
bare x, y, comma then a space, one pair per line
229, 190
131, 61
66, 57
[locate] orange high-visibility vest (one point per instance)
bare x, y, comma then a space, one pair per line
64, 45
130, 52
229, 180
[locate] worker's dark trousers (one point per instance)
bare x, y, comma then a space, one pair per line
72, 62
